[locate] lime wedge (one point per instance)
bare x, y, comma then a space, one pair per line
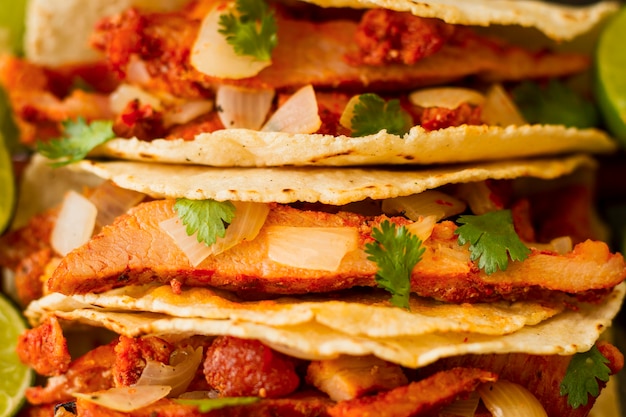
15, 377
610, 83
7, 187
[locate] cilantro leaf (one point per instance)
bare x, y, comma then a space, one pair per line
209, 218
253, 31
206, 405
396, 251
79, 139
582, 375
492, 240
373, 114
554, 103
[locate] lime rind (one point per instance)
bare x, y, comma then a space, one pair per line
610, 75
7, 187
15, 377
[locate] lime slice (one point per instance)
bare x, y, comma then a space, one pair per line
610, 86
15, 377
7, 186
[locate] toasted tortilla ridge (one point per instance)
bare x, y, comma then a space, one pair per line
336, 186
246, 148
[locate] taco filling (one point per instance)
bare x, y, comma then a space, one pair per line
312, 82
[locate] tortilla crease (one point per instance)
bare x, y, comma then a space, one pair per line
248, 148
366, 312
335, 186
566, 333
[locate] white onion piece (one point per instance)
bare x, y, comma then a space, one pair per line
213, 56
124, 94
186, 112
137, 72
446, 97
113, 201
479, 197
75, 223
178, 375
499, 109
462, 407
348, 112
560, 245
507, 399
299, 114
248, 220
318, 248
427, 203
422, 227
243, 108
126, 399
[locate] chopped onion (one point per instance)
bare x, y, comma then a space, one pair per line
187, 111
299, 114
560, 245
462, 407
427, 203
348, 112
499, 109
446, 97
480, 198
507, 399
75, 223
243, 108
178, 375
137, 72
319, 248
248, 220
126, 399
422, 227
113, 201
212, 55
124, 94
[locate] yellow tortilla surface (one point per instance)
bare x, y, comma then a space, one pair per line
247, 148
566, 333
326, 185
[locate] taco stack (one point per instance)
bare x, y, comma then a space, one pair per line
256, 242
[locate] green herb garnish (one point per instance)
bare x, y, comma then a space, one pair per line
78, 140
207, 218
252, 31
582, 375
373, 114
206, 405
555, 104
396, 251
492, 240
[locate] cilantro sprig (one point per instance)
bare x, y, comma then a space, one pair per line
373, 114
252, 31
209, 218
396, 251
492, 240
209, 404
79, 138
582, 375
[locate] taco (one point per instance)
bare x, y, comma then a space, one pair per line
301, 323
334, 83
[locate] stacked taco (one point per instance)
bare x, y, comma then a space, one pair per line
308, 209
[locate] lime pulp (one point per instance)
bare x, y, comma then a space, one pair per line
610, 74
15, 377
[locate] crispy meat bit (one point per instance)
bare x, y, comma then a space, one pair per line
434, 118
91, 372
385, 36
28, 276
238, 367
23, 242
140, 121
44, 348
132, 354
349, 377
417, 398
